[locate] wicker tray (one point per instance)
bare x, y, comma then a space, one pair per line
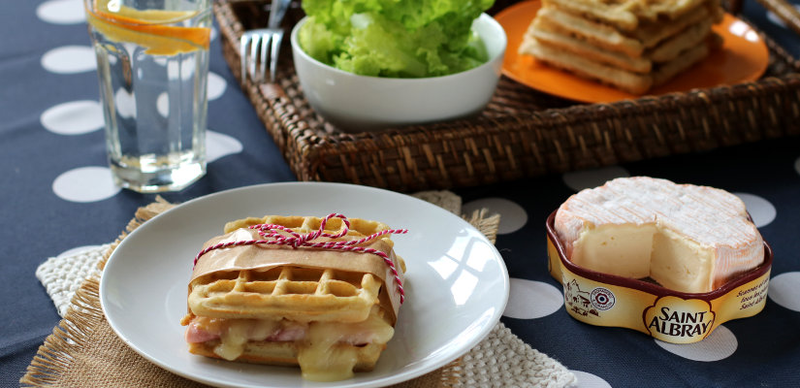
521, 133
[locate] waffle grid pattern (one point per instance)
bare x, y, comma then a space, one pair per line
295, 293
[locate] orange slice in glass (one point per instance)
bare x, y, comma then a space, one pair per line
155, 30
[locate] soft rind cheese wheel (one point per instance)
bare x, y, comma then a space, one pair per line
687, 238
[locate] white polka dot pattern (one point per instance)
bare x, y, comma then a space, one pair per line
61, 12
530, 299
720, 344
85, 184
162, 104
797, 165
784, 289
761, 210
124, 103
73, 118
219, 145
588, 380
69, 60
216, 86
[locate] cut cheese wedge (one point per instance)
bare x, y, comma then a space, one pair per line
686, 238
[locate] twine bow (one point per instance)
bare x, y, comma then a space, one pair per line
273, 234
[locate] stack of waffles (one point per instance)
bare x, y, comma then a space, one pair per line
632, 45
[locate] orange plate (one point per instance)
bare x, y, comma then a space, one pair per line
743, 58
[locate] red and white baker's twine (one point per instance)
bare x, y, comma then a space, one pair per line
277, 235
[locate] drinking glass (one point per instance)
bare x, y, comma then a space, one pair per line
152, 66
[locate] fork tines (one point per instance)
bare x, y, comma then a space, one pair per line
256, 48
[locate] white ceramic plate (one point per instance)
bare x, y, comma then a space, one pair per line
457, 284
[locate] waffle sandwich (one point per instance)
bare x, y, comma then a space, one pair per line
319, 293
632, 45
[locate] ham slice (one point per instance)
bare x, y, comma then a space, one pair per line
202, 330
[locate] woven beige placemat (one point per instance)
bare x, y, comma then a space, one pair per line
83, 350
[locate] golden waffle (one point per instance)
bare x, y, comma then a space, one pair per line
634, 83
301, 224
632, 44
690, 37
299, 294
626, 15
293, 292
666, 51
554, 36
651, 34
597, 34
686, 59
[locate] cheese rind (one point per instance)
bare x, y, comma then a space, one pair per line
687, 238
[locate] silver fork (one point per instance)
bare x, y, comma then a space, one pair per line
263, 45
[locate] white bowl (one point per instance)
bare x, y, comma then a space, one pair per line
357, 103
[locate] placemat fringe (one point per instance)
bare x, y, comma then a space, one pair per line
452, 374
55, 355
485, 223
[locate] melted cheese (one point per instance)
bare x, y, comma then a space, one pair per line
321, 360
319, 357
233, 339
688, 238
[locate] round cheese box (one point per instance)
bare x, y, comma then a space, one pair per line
667, 315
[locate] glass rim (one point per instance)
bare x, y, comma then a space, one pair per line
90, 7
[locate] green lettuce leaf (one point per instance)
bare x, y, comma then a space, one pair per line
394, 38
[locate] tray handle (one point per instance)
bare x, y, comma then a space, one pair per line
781, 8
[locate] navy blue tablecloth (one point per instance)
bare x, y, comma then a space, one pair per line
56, 196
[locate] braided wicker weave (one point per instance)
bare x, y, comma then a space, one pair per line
521, 133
